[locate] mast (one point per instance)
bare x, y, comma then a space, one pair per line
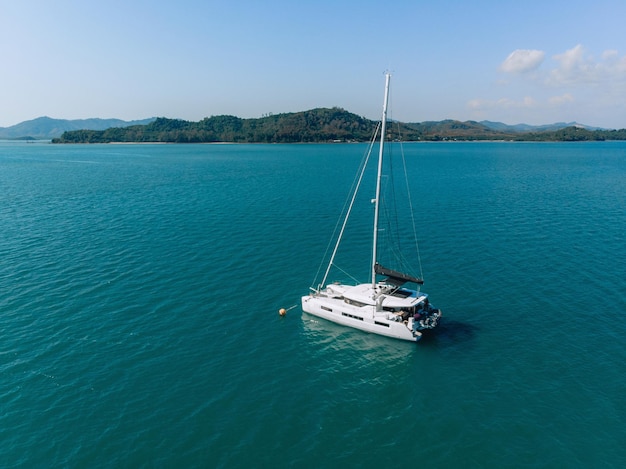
378, 178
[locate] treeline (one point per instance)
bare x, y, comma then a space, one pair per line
316, 125
573, 134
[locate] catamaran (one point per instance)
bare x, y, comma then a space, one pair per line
385, 305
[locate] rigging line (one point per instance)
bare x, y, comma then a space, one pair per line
342, 214
394, 250
394, 239
354, 279
406, 179
391, 209
392, 231
393, 220
356, 185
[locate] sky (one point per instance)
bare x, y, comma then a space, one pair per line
533, 62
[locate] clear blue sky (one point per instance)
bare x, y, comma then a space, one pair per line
535, 62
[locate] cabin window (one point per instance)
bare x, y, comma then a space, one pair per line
352, 316
327, 308
381, 324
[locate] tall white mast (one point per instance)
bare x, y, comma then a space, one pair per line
378, 178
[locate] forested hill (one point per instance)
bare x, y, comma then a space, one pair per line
316, 125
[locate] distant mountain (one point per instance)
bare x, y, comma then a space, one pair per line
520, 128
49, 128
453, 129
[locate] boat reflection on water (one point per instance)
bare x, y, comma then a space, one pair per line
365, 347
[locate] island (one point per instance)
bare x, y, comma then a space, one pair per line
323, 125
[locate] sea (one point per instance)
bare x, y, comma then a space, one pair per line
140, 287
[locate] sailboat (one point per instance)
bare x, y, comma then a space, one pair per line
389, 304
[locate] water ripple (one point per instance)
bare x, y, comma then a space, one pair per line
139, 298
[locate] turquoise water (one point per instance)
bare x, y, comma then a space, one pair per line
140, 284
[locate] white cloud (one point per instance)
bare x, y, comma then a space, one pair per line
477, 104
573, 67
559, 100
577, 67
614, 64
572, 58
507, 103
502, 103
570, 85
522, 61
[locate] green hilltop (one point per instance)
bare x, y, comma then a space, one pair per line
318, 125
